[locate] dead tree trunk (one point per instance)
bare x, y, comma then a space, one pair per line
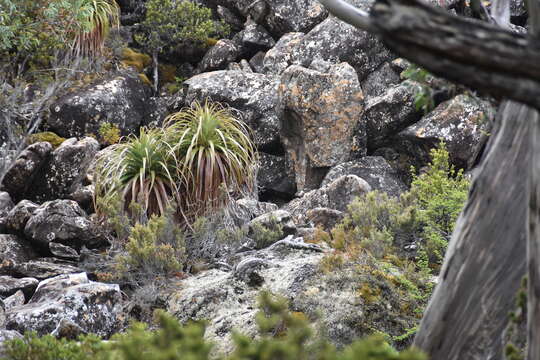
486, 256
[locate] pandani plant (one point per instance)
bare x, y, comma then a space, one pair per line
197, 162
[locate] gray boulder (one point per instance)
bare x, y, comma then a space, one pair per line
121, 99
65, 171
39, 269
2, 314
16, 218
20, 176
275, 177
248, 209
5, 203
13, 249
390, 113
462, 123
375, 170
10, 285
253, 95
277, 59
62, 221
319, 114
16, 299
336, 195
220, 55
324, 218
280, 218
252, 39
94, 307
380, 80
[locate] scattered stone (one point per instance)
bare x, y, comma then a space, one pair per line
5, 203
20, 176
122, 100
14, 300
84, 196
462, 123
380, 80
17, 217
336, 195
67, 329
278, 59
224, 52
375, 170
325, 218
252, 39
10, 285
62, 221
13, 249
38, 269
320, 112
63, 252
275, 177
256, 62
92, 306
248, 209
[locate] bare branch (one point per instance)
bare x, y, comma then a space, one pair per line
348, 13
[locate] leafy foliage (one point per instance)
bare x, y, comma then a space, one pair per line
285, 336
216, 154
423, 98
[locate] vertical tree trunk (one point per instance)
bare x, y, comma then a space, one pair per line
485, 260
156, 75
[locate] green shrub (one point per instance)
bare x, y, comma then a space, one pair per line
109, 133
47, 136
267, 234
156, 248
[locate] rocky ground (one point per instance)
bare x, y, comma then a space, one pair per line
332, 119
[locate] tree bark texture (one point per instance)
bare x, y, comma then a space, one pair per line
533, 249
479, 55
485, 260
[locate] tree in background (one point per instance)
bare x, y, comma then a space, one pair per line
170, 23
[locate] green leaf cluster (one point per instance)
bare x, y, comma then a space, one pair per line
169, 24
423, 97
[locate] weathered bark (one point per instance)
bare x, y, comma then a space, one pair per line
533, 250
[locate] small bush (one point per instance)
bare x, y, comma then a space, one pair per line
47, 136
267, 234
109, 134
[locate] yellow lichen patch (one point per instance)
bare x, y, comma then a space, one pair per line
145, 79
370, 294
137, 60
167, 73
211, 42
47, 136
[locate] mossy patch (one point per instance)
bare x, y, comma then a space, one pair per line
167, 73
47, 136
134, 59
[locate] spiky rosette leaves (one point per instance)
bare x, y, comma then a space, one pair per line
100, 16
216, 152
144, 170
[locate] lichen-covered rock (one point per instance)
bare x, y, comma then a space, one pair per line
62, 221
224, 52
38, 269
10, 285
253, 95
2, 314
248, 209
320, 112
84, 196
336, 41
336, 195
281, 16
275, 177
252, 39
65, 171
122, 100
95, 307
390, 113
5, 203
228, 300
375, 170
281, 218
15, 250
63, 252
380, 80
16, 299
324, 218
16, 218
462, 123
277, 59
20, 176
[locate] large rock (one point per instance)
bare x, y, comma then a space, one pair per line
336, 41
10, 285
462, 123
38, 269
219, 56
20, 177
281, 16
380, 80
13, 249
16, 218
65, 171
62, 221
248, 209
254, 95
390, 113
279, 57
375, 170
336, 195
94, 307
252, 39
122, 100
320, 112
275, 177
5, 203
